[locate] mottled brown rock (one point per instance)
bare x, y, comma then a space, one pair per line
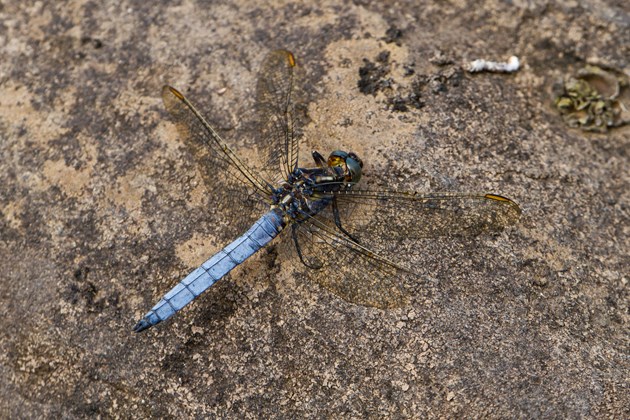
101, 213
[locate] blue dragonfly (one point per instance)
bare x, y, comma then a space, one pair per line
350, 240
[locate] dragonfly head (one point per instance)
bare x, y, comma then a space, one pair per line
349, 163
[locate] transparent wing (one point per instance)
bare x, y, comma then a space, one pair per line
276, 114
373, 270
238, 186
410, 215
349, 269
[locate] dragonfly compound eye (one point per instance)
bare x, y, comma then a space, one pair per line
348, 162
337, 158
354, 156
354, 165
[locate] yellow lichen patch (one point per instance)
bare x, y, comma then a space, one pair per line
594, 99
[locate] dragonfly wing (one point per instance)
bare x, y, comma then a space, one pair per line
390, 220
372, 271
414, 216
276, 113
240, 187
346, 268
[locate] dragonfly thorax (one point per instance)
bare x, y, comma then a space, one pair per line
307, 191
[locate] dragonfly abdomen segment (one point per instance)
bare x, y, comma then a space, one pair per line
261, 233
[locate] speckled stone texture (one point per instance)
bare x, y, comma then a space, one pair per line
102, 211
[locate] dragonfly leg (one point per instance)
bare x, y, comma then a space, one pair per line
319, 159
294, 235
338, 221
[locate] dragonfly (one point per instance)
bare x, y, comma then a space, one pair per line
350, 240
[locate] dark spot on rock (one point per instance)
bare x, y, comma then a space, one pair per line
174, 362
216, 313
80, 274
437, 84
347, 122
383, 57
271, 257
372, 76
544, 44
393, 34
398, 104
85, 291
540, 272
94, 42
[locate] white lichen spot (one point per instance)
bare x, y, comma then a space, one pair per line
512, 65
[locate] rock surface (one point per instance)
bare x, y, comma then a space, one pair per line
101, 212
